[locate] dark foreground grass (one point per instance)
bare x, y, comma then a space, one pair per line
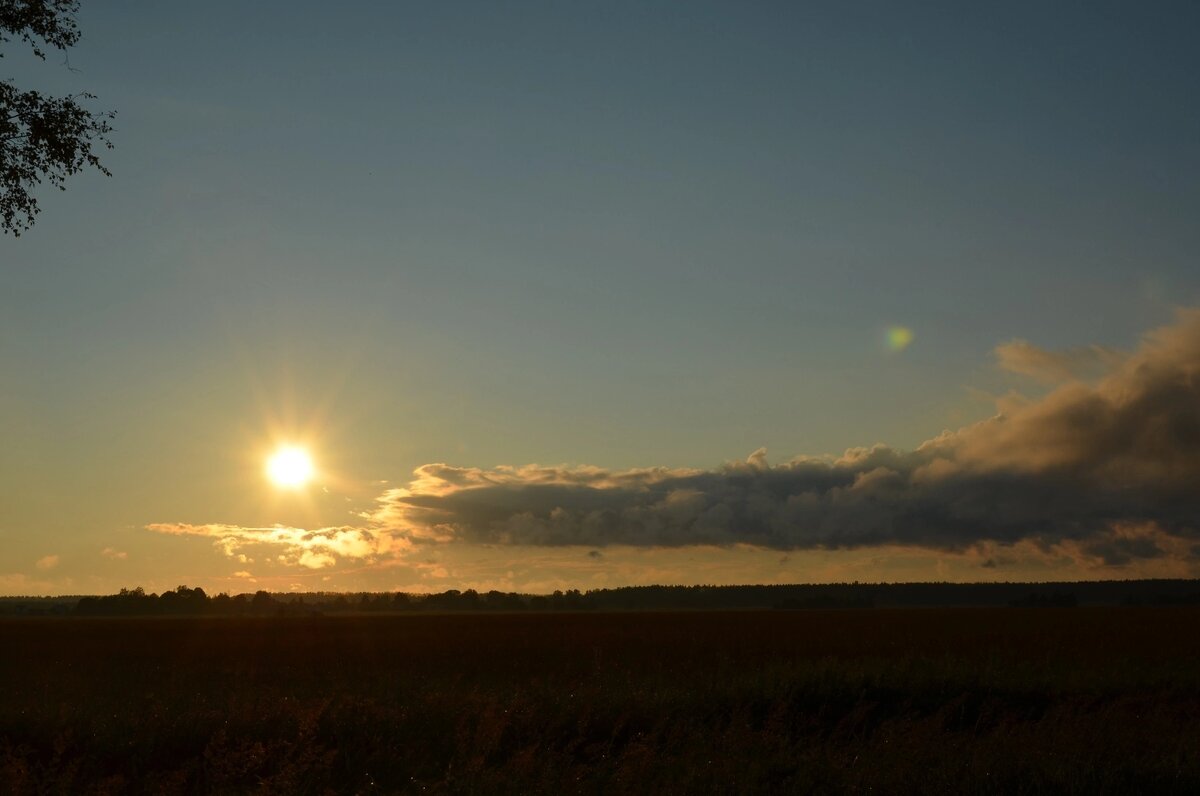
893, 701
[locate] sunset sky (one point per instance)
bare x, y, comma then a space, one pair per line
574, 295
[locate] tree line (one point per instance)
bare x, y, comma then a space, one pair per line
194, 601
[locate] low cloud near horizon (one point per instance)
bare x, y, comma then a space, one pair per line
1106, 468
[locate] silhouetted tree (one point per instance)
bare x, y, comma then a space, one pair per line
501, 601
42, 138
446, 601
263, 602
222, 603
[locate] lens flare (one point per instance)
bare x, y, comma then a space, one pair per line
898, 338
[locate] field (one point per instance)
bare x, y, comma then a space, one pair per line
973, 700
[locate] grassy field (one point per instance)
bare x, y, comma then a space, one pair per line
1085, 700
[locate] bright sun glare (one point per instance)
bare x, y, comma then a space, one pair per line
290, 467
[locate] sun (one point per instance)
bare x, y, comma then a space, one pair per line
290, 467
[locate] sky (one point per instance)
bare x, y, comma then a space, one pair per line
580, 295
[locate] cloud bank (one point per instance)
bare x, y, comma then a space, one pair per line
1109, 469
1113, 467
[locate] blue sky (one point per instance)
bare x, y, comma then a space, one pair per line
621, 234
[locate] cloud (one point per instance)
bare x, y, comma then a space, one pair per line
315, 560
1079, 466
1052, 367
47, 562
117, 555
313, 549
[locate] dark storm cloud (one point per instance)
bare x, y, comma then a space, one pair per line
1112, 468
1118, 551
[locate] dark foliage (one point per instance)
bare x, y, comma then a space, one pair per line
1053, 599
976, 700
185, 601
43, 138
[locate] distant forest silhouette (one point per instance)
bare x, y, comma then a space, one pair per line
185, 601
